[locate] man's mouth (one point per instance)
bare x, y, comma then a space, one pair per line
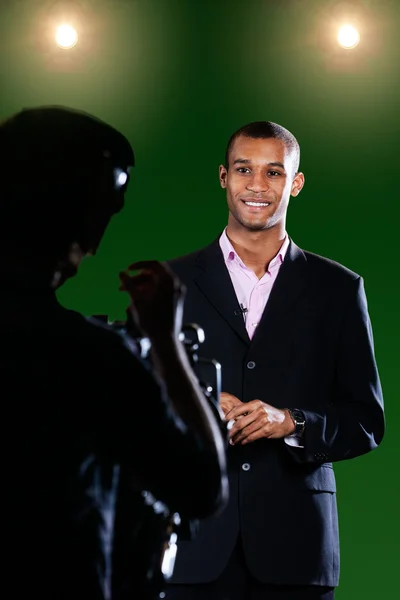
256, 203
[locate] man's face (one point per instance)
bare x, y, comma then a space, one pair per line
107, 199
259, 182
103, 200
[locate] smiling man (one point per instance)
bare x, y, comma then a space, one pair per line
301, 387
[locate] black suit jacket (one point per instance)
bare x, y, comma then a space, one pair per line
312, 350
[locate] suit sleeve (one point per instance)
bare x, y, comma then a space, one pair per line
353, 422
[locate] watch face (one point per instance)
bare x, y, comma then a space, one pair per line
299, 420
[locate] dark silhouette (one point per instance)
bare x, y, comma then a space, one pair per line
80, 404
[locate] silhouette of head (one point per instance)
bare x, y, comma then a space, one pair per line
63, 175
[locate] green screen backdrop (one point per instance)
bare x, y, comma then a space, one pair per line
178, 77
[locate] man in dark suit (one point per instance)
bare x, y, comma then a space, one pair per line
301, 387
79, 402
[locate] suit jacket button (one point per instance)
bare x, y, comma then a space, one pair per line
251, 364
246, 467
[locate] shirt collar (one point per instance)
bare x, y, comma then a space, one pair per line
231, 255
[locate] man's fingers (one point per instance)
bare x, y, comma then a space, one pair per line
159, 271
152, 266
251, 435
253, 429
237, 411
132, 283
241, 423
145, 264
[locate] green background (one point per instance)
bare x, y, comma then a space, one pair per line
178, 77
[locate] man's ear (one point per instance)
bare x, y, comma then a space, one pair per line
297, 185
223, 173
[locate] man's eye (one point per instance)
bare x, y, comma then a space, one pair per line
274, 173
242, 169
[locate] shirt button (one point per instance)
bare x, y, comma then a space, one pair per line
251, 364
246, 467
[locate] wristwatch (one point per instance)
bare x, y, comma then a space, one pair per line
298, 419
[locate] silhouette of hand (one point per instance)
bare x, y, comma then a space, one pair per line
157, 298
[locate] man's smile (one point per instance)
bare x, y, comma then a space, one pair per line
256, 204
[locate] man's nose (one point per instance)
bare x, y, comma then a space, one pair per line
257, 183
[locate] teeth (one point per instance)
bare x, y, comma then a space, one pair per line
257, 203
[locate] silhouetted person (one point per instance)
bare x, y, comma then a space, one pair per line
78, 401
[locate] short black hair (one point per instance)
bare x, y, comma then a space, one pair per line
49, 156
264, 130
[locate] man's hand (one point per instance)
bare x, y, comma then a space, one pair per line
255, 420
157, 298
228, 401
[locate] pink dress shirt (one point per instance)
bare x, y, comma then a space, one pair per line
253, 293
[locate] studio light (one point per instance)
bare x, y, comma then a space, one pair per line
66, 36
348, 37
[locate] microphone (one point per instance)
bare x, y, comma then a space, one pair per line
242, 311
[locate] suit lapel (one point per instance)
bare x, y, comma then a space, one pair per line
215, 283
289, 284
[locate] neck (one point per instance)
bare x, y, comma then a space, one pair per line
256, 248
36, 271
45, 270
